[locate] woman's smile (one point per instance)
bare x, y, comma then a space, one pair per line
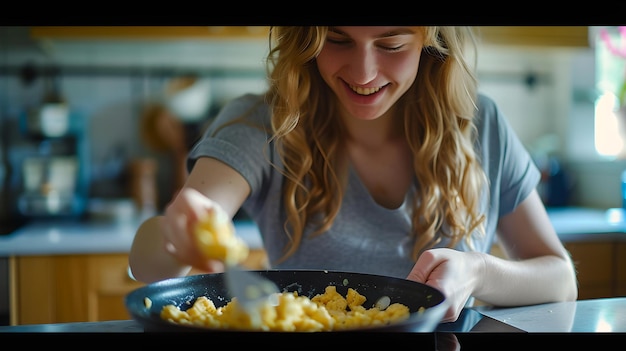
364, 95
364, 90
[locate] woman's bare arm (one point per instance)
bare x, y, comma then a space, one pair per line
162, 247
541, 265
539, 269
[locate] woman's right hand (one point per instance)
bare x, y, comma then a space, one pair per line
179, 225
163, 246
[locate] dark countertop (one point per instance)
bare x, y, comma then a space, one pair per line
582, 316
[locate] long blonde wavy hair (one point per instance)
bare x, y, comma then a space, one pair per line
438, 112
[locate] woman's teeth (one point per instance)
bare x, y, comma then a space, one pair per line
364, 91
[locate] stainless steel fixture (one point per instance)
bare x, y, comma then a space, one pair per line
52, 181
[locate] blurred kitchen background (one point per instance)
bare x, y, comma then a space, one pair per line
95, 121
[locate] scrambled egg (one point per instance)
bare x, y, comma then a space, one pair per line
324, 312
215, 236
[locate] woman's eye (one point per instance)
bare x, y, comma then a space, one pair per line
385, 47
392, 48
392, 45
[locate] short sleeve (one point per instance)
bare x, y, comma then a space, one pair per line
238, 137
512, 173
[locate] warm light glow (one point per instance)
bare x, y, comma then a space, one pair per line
615, 215
610, 128
603, 326
608, 141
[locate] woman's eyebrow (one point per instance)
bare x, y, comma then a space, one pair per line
399, 31
391, 33
335, 30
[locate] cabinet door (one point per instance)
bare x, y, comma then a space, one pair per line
72, 288
595, 267
620, 289
108, 284
78, 288
47, 289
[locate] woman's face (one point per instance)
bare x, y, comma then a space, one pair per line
369, 68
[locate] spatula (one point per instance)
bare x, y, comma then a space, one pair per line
217, 238
251, 290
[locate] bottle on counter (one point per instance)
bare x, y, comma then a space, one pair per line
143, 186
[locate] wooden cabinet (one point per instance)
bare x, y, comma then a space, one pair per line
620, 267
595, 265
76, 288
600, 267
542, 36
69, 288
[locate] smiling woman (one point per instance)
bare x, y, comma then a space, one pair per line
353, 153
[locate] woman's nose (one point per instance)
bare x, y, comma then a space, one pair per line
363, 66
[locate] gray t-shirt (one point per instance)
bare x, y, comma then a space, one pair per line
366, 237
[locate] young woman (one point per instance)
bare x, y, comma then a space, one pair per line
372, 152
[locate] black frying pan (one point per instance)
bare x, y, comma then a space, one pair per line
182, 292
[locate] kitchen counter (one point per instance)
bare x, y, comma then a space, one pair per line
572, 224
86, 237
582, 316
578, 223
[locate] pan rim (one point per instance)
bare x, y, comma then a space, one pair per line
425, 321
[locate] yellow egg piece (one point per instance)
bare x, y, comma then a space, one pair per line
216, 238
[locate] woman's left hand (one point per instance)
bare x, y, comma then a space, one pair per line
452, 272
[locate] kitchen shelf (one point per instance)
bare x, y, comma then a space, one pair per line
134, 71
541, 36
557, 36
148, 32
